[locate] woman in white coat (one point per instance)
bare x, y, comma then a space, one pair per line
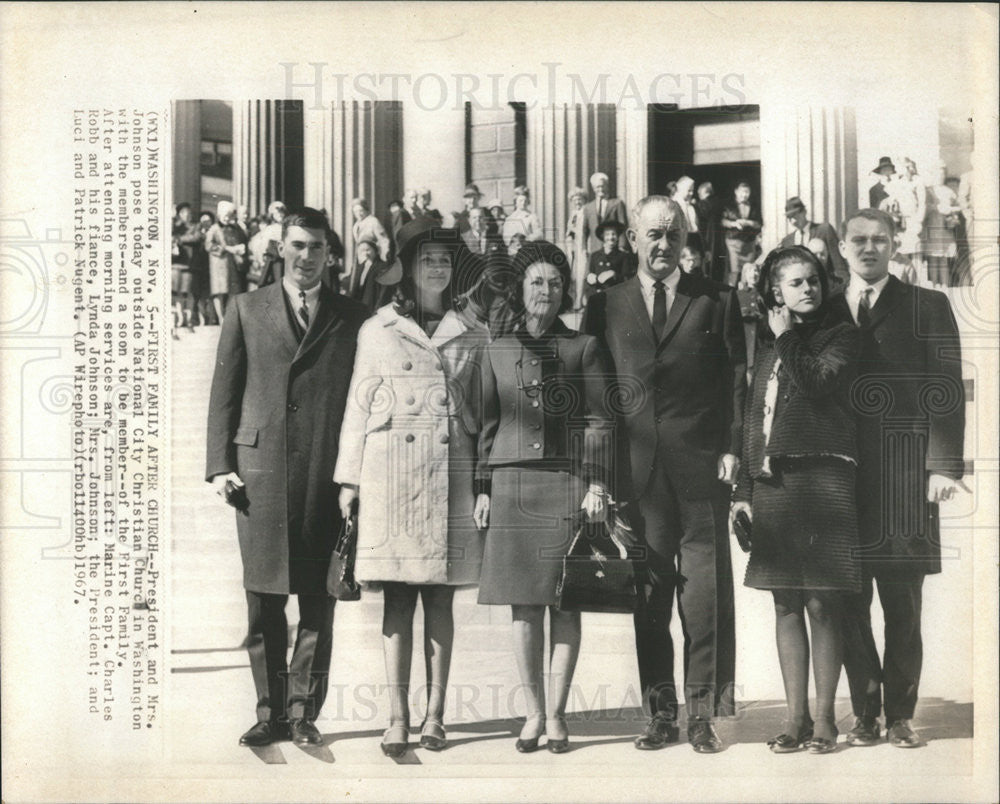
407, 454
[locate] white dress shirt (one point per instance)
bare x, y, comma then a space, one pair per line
649, 292
856, 286
312, 298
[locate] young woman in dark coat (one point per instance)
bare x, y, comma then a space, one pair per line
797, 483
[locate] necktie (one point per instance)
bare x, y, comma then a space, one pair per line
304, 309
659, 309
865, 309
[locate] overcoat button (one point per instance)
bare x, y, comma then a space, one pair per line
409, 437
292, 407
407, 365
444, 439
534, 403
534, 382
534, 361
536, 427
410, 400
437, 366
536, 445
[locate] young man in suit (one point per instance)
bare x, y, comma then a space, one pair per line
805, 230
910, 405
285, 357
679, 353
602, 210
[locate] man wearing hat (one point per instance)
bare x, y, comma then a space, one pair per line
471, 197
285, 358
804, 230
878, 192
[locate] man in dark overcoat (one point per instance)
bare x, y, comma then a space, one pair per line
284, 364
678, 347
910, 406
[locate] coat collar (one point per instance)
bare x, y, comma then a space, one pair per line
405, 327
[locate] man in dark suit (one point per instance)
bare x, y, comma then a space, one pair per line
679, 353
285, 358
368, 280
602, 210
741, 222
910, 406
478, 236
878, 193
804, 230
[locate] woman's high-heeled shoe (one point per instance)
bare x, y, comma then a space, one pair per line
530, 744
395, 748
786, 743
559, 745
432, 735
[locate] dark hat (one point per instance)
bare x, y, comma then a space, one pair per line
471, 190
884, 163
618, 226
793, 204
466, 266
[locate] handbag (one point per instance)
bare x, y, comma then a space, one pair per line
598, 572
340, 581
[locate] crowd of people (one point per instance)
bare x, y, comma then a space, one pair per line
438, 390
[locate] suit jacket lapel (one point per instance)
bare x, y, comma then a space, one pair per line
891, 295
325, 319
274, 309
681, 302
633, 292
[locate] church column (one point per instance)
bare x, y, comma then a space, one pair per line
187, 153
435, 155
353, 150
633, 155
267, 154
566, 145
812, 153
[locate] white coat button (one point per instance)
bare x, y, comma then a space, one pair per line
410, 400
444, 439
409, 438
407, 365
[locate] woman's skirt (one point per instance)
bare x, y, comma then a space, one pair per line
528, 535
805, 528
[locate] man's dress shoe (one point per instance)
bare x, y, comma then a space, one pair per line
902, 735
265, 732
304, 732
702, 736
659, 733
865, 732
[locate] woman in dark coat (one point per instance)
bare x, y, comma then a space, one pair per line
797, 480
543, 455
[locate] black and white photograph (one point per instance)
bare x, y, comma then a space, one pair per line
543, 402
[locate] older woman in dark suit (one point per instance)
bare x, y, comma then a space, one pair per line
798, 479
544, 453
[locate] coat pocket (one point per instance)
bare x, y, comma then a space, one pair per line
246, 436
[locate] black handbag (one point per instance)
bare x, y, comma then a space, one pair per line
340, 581
599, 572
